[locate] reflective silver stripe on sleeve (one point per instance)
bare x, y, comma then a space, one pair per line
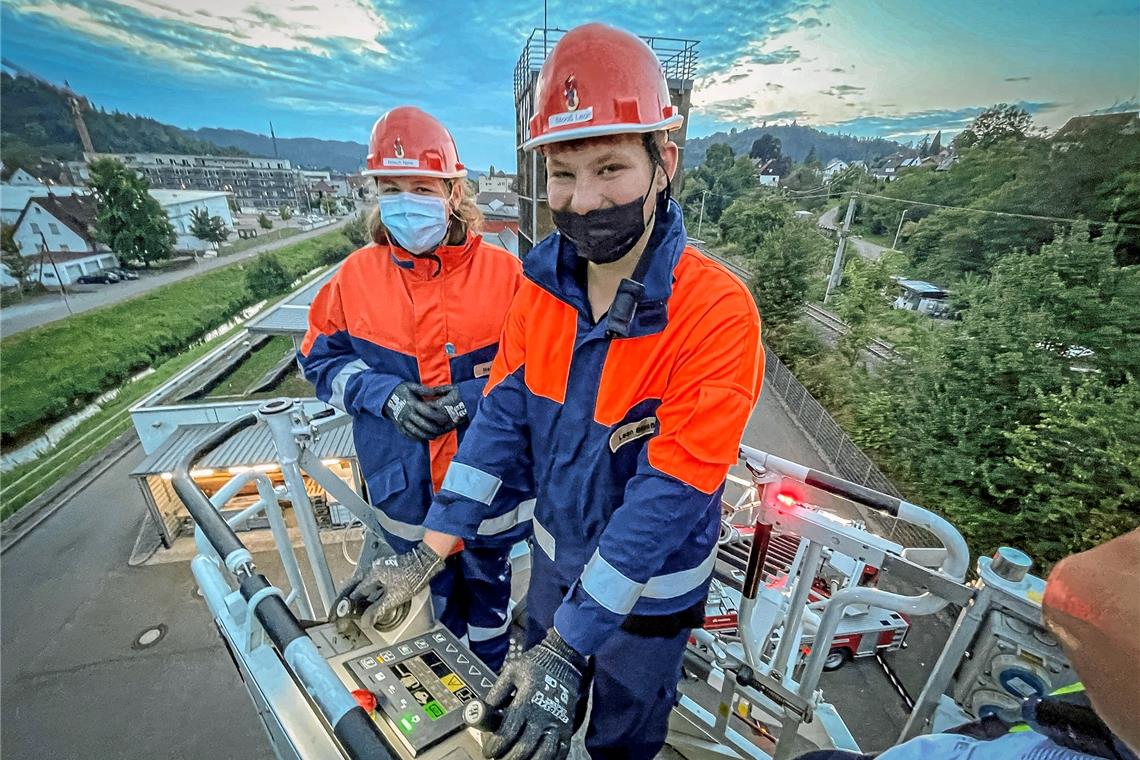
471, 482
340, 382
520, 514
406, 531
618, 594
476, 633
681, 582
543, 538
609, 587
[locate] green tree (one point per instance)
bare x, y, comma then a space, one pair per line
1001, 122
328, 205
781, 266
765, 148
812, 159
130, 220
286, 212
356, 230
266, 277
264, 221
749, 220
994, 422
863, 300
211, 229
18, 266
721, 179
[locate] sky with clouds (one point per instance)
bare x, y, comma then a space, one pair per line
328, 68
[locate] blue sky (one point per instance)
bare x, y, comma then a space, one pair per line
328, 68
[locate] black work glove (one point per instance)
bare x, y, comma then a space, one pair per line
395, 579
414, 414
449, 401
539, 694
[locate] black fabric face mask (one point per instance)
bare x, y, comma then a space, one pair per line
604, 235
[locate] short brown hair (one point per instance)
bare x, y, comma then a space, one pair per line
466, 218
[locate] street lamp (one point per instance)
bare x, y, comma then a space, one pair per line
895, 245
62, 288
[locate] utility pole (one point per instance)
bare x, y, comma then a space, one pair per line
895, 245
62, 288
837, 265
701, 219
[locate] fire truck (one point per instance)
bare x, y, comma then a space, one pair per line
864, 630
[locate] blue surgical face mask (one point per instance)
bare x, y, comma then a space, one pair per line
417, 222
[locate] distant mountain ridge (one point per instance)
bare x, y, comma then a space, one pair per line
796, 141
342, 156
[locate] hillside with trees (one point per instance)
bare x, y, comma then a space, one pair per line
1020, 419
36, 123
796, 141
309, 152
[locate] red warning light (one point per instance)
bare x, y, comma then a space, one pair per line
786, 499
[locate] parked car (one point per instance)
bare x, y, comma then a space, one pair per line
122, 274
98, 278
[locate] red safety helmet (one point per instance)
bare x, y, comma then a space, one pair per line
407, 142
598, 81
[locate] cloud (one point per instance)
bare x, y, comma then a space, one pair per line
1017, 79
918, 123
781, 115
783, 55
838, 70
842, 90
810, 23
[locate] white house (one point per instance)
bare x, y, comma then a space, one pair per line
180, 204
499, 183
835, 166
14, 198
56, 232
22, 178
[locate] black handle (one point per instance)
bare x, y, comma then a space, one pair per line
857, 493
478, 714
323, 413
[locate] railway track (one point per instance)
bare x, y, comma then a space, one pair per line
879, 349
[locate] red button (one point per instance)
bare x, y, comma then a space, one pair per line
365, 699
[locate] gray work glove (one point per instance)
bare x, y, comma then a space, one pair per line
539, 695
396, 578
412, 408
449, 401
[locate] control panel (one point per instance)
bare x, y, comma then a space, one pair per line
421, 683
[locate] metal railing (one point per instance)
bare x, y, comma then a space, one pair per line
833, 444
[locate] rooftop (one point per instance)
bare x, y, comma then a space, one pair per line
170, 197
76, 212
922, 287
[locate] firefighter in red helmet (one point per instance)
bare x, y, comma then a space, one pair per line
402, 339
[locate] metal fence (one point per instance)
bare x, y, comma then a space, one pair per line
832, 443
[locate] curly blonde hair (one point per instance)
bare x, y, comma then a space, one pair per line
466, 218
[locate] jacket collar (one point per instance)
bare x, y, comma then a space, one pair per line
445, 258
554, 263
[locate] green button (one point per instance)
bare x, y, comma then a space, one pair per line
406, 724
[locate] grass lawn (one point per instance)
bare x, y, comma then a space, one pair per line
25, 482
254, 367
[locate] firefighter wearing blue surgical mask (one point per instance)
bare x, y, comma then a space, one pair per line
402, 339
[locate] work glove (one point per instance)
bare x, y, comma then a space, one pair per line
447, 399
417, 416
539, 694
393, 579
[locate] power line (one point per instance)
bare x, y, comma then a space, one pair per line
996, 213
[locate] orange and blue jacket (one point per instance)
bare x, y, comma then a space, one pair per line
387, 317
626, 440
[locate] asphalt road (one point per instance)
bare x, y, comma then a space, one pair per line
829, 220
73, 686
50, 307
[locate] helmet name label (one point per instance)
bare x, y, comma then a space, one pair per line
401, 162
571, 117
